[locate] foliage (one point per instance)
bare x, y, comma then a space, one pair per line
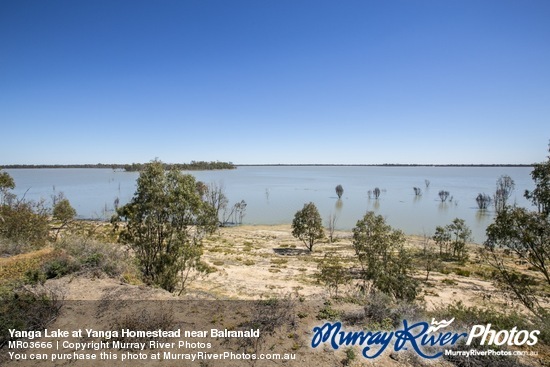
25, 223
6, 183
339, 191
166, 221
443, 195
62, 211
327, 312
540, 196
525, 234
452, 240
483, 201
23, 308
428, 256
385, 263
332, 273
505, 186
193, 166
307, 225
382, 310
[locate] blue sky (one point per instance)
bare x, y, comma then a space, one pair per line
274, 81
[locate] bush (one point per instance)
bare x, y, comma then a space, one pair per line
27, 309
383, 310
332, 273
92, 255
25, 224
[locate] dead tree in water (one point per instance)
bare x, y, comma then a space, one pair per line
443, 195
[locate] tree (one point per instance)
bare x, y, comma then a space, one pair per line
339, 191
385, 263
331, 226
452, 240
483, 201
307, 225
429, 258
460, 235
417, 191
62, 211
442, 237
525, 234
166, 221
21, 221
443, 195
505, 186
540, 196
376, 192
332, 272
6, 183
215, 196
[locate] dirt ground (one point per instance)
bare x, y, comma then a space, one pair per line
248, 264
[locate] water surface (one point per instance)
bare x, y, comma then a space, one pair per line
275, 193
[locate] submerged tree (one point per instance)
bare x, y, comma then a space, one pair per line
376, 192
443, 195
307, 225
505, 186
339, 191
165, 223
417, 191
483, 201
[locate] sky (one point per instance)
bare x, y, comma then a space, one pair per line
274, 81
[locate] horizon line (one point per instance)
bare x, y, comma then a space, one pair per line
120, 165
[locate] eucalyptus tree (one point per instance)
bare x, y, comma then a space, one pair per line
526, 235
386, 265
164, 224
307, 226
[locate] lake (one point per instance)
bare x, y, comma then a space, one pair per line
274, 193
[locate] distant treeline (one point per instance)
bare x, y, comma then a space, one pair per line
193, 166
383, 165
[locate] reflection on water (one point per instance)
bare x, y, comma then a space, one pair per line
274, 194
339, 205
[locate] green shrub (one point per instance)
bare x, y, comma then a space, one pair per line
327, 312
25, 223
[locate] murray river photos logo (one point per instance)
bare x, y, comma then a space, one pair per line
419, 336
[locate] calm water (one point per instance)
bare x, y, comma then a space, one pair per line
274, 194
